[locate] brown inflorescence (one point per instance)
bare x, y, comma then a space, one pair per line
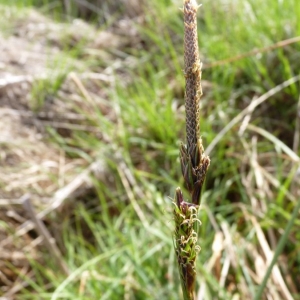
194, 163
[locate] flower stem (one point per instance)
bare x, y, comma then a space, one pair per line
194, 163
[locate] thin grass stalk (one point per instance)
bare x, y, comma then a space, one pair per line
194, 163
279, 248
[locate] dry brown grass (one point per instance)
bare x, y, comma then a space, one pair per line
30, 163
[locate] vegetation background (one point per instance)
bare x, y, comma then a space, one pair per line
92, 114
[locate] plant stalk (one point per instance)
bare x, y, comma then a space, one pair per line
194, 163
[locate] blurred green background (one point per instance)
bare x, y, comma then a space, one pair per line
105, 100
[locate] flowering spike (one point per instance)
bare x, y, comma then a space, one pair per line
194, 163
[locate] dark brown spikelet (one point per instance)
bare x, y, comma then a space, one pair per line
192, 69
194, 163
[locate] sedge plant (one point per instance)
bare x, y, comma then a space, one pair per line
194, 163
